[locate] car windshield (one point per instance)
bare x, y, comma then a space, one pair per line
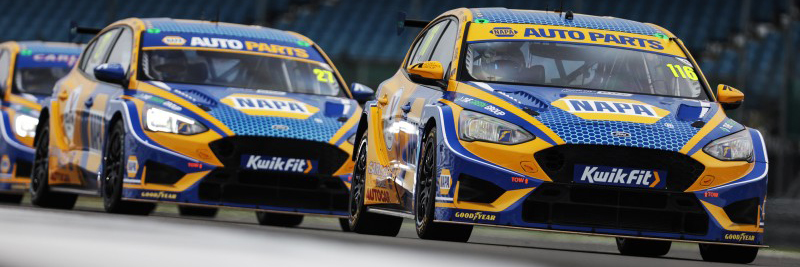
240, 71
583, 66
38, 81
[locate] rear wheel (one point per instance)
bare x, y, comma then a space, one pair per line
359, 220
114, 173
41, 195
278, 219
10, 198
198, 211
425, 198
642, 247
728, 254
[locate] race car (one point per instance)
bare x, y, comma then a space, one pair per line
559, 122
201, 114
28, 71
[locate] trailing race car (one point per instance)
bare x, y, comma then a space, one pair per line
202, 114
28, 71
559, 122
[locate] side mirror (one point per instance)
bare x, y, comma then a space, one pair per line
428, 73
110, 73
729, 97
361, 93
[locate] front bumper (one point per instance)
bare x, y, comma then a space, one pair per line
487, 194
164, 177
15, 160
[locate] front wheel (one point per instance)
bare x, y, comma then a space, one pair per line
359, 220
114, 173
642, 247
278, 219
728, 254
425, 199
41, 195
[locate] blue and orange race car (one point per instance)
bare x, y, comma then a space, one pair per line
559, 122
200, 114
28, 71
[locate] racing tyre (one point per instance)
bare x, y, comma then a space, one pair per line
728, 254
359, 220
425, 199
11, 198
198, 211
278, 219
41, 195
642, 247
114, 173
345, 224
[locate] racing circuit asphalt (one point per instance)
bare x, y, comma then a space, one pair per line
87, 236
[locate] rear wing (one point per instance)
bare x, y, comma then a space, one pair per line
74, 30
402, 22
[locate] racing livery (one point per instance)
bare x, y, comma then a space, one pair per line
203, 114
28, 71
559, 122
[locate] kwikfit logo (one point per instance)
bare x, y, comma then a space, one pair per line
604, 175
281, 164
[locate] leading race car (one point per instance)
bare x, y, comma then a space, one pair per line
559, 122
28, 71
201, 114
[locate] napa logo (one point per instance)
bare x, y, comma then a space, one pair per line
503, 32
173, 40
258, 105
610, 109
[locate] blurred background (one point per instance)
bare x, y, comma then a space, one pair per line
751, 45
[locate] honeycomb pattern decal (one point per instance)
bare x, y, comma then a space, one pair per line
316, 128
168, 25
666, 134
502, 15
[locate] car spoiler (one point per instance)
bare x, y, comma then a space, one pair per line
402, 22
74, 30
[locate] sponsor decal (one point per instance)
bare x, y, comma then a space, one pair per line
669, 125
711, 194
158, 195
728, 125
280, 127
69, 59
740, 237
503, 32
173, 40
172, 106
378, 195
613, 93
630, 177
480, 104
5, 164
235, 44
519, 180
270, 106
445, 182
475, 216
593, 36
197, 165
280, 164
132, 167
382, 174
611, 109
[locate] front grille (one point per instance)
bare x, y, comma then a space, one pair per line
229, 150
558, 162
321, 192
477, 190
615, 208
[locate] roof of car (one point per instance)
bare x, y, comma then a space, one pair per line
40, 47
504, 15
219, 28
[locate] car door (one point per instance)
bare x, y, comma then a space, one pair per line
74, 102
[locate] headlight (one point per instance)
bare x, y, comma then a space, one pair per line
473, 126
160, 120
25, 126
737, 146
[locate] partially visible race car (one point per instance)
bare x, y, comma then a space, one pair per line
28, 71
559, 122
201, 114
